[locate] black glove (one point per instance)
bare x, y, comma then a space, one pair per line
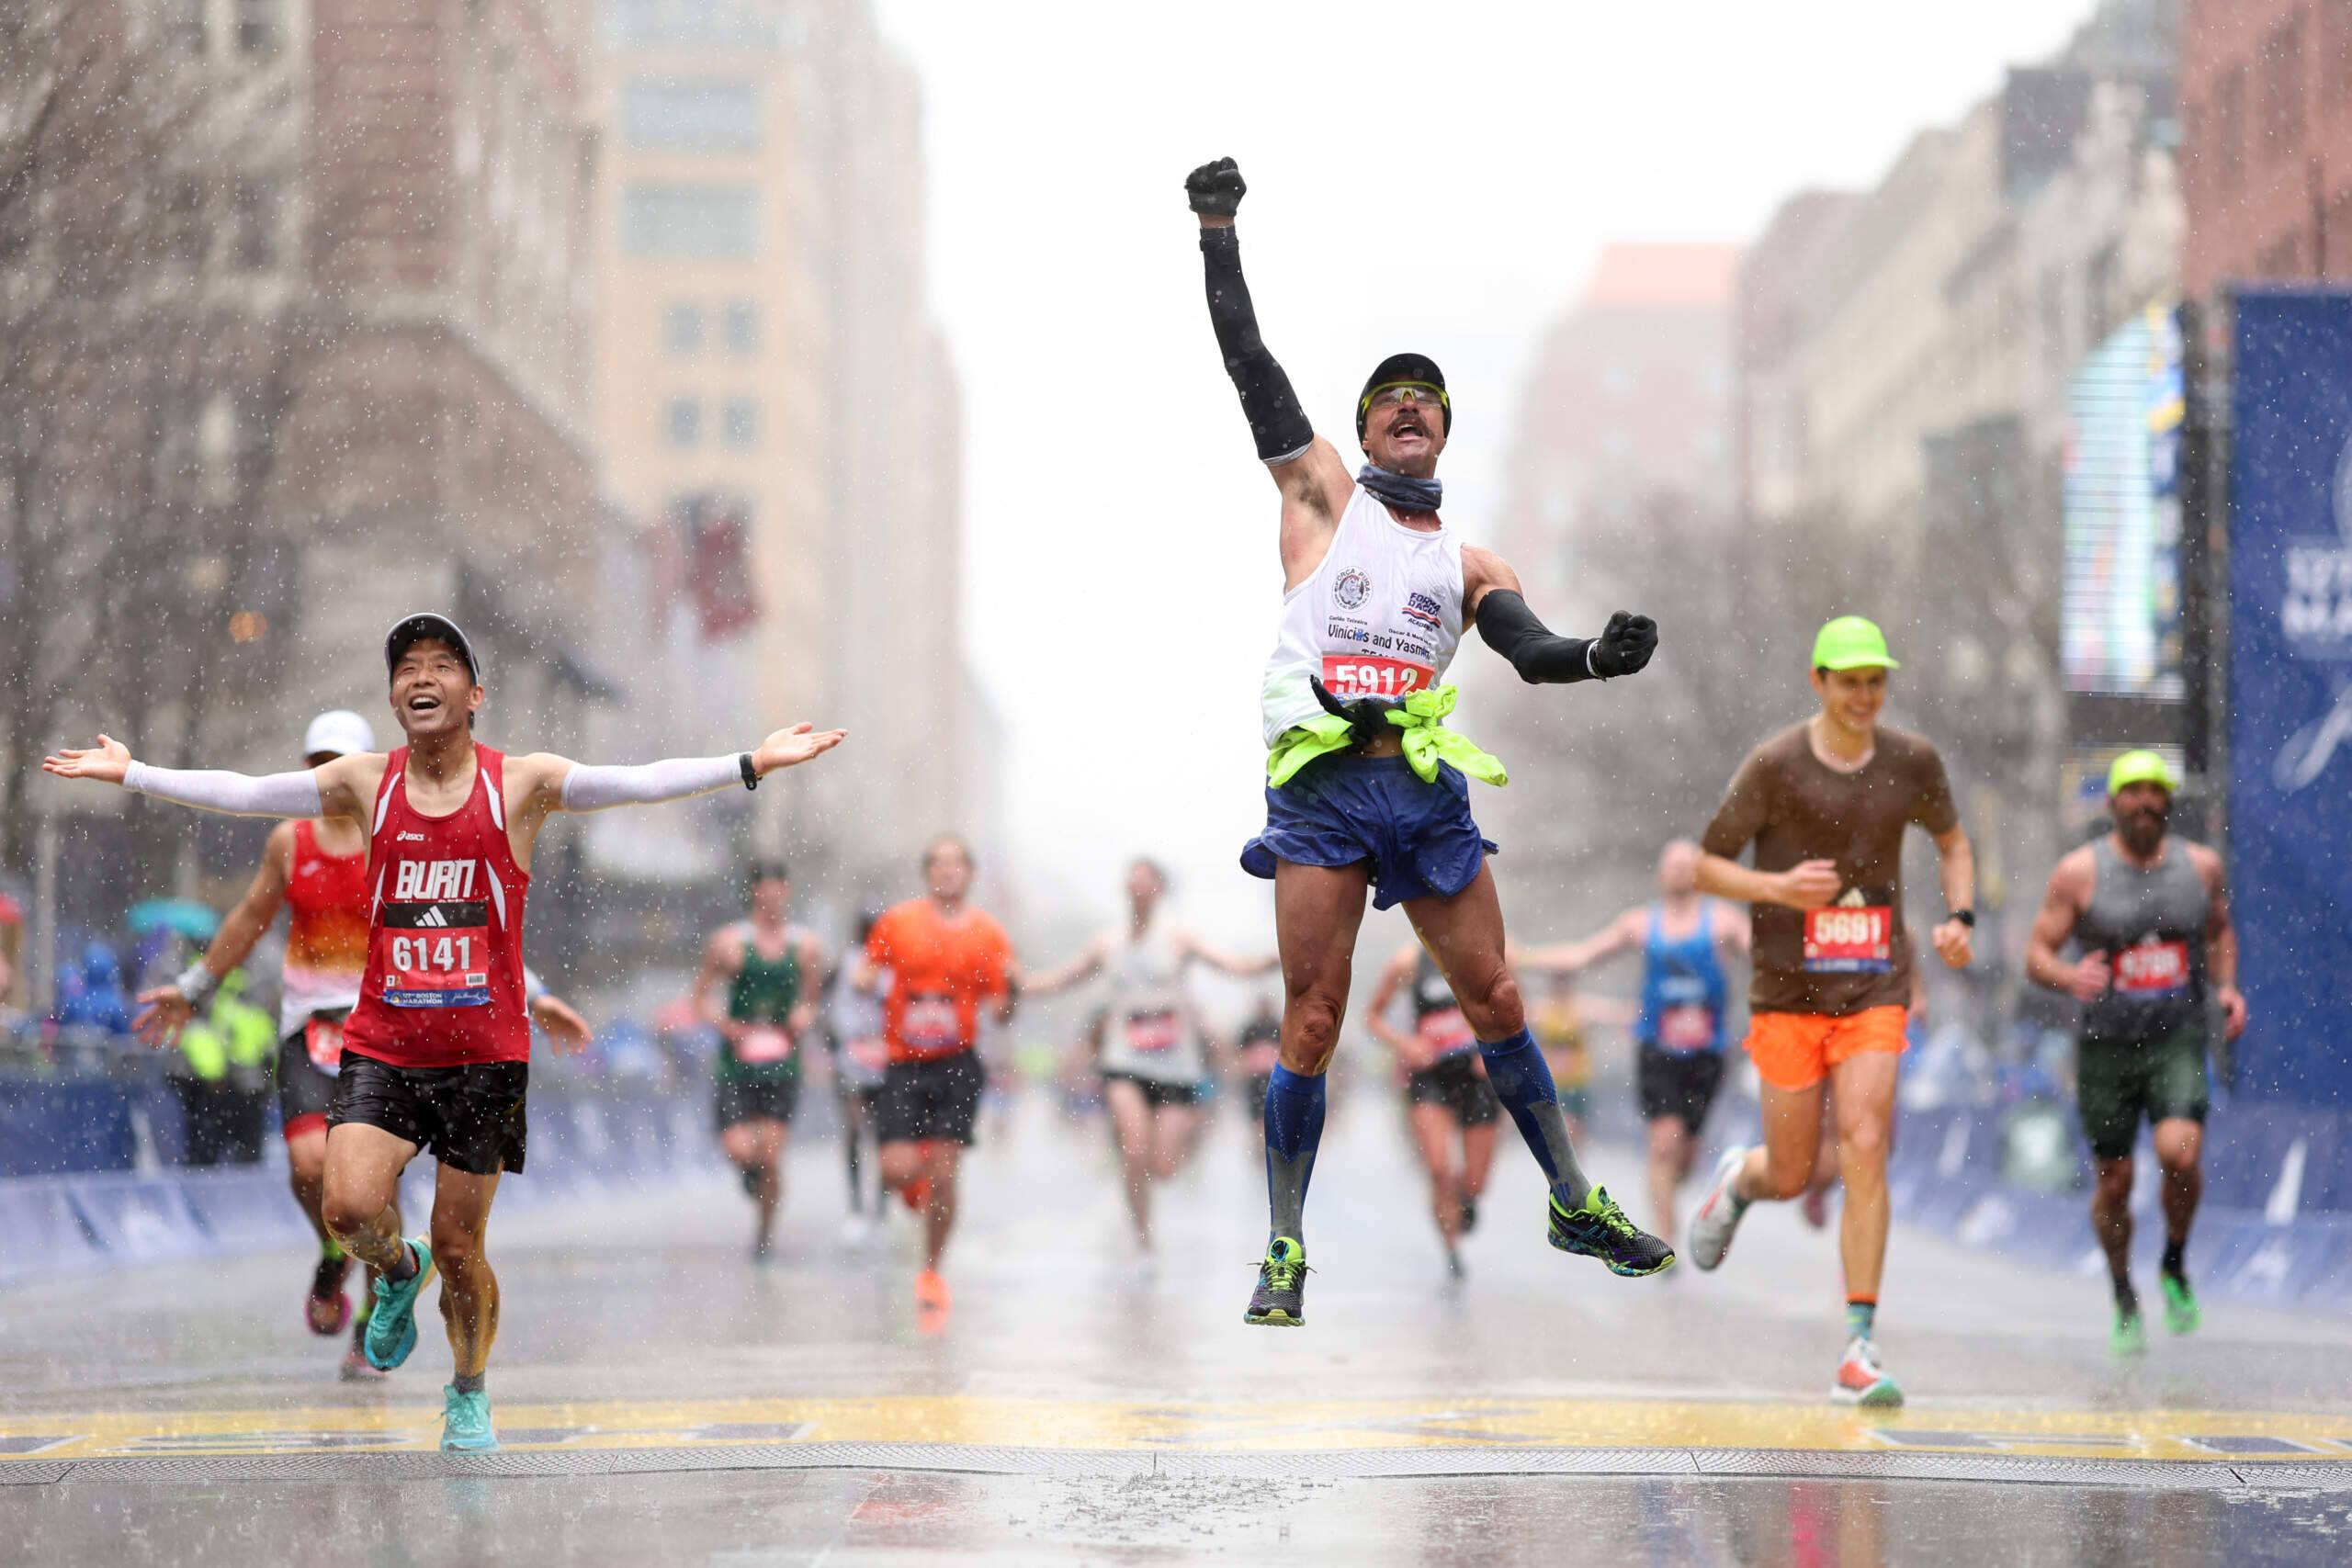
1624, 647
1215, 190
1367, 716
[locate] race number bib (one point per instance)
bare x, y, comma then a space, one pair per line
1847, 939
1446, 1031
873, 1055
931, 1024
762, 1043
1350, 675
2153, 969
1161, 1031
436, 954
1689, 1027
323, 1043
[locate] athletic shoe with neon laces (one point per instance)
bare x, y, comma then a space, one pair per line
1599, 1228
327, 1310
1279, 1300
391, 1326
465, 1421
1861, 1381
2182, 1315
2129, 1337
1718, 1217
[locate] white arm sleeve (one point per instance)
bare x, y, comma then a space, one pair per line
238, 795
589, 788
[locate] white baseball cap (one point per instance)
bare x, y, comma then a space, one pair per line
338, 730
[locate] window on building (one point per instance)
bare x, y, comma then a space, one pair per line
184, 229
259, 26
699, 222
699, 113
2335, 53
739, 424
683, 419
2228, 119
743, 327
253, 245
2282, 88
682, 328
184, 25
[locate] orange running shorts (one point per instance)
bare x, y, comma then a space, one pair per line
1796, 1049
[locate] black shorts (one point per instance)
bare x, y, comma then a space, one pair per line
1455, 1083
773, 1100
470, 1117
1157, 1092
1678, 1083
930, 1100
303, 1088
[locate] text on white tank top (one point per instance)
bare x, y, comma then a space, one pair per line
1379, 617
1145, 980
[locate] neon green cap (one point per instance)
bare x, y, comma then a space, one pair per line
2139, 767
1850, 642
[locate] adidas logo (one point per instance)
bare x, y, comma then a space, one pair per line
433, 917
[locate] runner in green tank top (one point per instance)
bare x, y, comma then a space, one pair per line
771, 969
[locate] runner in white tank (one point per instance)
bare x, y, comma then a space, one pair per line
1366, 790
1153, 1060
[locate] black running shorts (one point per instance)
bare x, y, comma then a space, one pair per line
936, 1099
1157, 1092
304, 1090
470, 1117
1678, 1083
1455, 1083
773, 1100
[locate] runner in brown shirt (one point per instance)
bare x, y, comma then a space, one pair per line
1826, 803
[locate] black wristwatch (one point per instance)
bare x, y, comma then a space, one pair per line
1965, 917
751, 774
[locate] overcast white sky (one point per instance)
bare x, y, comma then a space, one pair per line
1437, 176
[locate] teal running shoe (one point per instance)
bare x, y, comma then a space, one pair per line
1279, 1300
2182, 1315
1599, 1228
391, 1323
465, 1421
2129, 1337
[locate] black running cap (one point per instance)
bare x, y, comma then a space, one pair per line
1402, 367
409, 630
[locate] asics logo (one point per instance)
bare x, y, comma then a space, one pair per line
407, 837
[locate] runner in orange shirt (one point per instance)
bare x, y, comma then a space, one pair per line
1825, 803
943, 960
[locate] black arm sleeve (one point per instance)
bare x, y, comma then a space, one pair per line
1512, 629
1276, 421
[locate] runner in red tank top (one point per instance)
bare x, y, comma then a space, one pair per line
437, 1053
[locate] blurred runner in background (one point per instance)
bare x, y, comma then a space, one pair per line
1826, 803
436, 1053
1256, 1048
944, 961
1153, 1058
1367, 792
2152, 915
1679, 1033
772, 971
1446, 1092
861, 1061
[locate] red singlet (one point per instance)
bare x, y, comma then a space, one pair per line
444, 985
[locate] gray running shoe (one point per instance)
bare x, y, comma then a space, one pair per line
1712, 1226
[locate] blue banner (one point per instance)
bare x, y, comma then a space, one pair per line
2290, 691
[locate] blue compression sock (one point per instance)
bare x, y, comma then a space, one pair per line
1522, 1081
1293, 1130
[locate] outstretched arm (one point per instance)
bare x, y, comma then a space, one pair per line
543, 783
1624, 933
1313, 481
1083, 965
340, 788
1191, 945
1490, 592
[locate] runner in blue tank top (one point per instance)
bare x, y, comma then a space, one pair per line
1678, 1033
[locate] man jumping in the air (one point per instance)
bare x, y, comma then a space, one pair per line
1365, 787
437, 1053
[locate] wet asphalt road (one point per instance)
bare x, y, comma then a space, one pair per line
1063, 1335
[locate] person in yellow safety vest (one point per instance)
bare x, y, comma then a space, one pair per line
227, 1052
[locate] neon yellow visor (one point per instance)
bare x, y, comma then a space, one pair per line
2139, 767
1850, 642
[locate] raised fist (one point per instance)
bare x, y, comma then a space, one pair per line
1624, 645
1215, 190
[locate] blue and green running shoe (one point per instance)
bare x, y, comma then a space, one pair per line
1279, 1300
392, 1325
2182, 1315
1599, 1228
465, 1421
2129, 1337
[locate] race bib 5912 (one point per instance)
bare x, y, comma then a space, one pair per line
1849, 939
1347, 675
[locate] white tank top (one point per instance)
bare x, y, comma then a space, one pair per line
1149, 1031
1380, 617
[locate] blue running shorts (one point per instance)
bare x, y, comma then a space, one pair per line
1339, 809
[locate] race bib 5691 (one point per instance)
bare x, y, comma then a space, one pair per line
1848, 938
